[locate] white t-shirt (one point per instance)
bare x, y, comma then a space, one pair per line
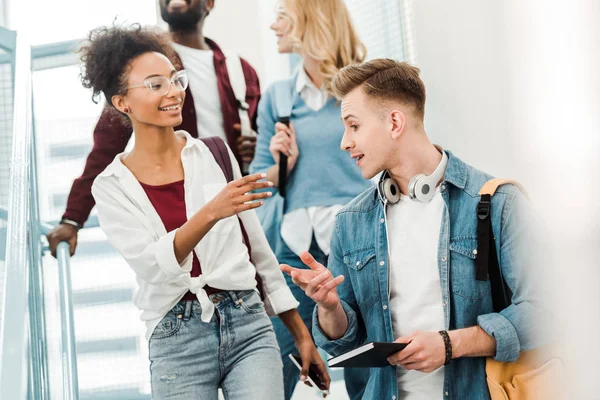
200, 68
415, 290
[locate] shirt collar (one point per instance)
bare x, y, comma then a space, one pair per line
303, 81
456, 171
117, 168
217, 52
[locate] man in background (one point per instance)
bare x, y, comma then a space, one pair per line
210, 109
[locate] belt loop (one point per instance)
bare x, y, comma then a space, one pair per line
236, 298
188, 310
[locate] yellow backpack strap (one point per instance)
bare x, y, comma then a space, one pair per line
492, 185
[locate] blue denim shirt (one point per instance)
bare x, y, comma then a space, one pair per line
359, 251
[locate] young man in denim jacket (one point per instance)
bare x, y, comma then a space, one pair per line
402, 265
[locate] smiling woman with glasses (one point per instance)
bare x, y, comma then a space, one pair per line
193, 240
160, 85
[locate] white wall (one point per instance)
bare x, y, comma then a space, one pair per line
243, 26
513, 88
3, 13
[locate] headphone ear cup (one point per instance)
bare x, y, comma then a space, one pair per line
423, 188
390, 190
412, 187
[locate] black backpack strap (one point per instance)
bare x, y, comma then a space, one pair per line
487, 257
218, 148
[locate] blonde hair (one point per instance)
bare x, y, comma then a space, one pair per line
383, 79
323, 30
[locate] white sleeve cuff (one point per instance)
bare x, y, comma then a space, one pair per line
165, 257
279, 301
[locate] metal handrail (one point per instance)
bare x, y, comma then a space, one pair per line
13, 336
69, 350
23, 278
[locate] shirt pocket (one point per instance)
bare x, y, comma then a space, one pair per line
224, 226
463, 252
362, 267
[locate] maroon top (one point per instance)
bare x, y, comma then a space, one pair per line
169, 202
112, 133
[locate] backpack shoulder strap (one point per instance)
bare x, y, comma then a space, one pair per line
283, 93
217, 147
238, 84
492, 185
487, 258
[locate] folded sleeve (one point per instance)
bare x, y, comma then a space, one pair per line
152, 259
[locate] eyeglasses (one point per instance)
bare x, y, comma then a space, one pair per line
160, 85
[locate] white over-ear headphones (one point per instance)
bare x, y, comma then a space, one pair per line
421, 186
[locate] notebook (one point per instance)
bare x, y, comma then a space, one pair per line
370, 355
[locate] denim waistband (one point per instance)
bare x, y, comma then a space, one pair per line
222, 298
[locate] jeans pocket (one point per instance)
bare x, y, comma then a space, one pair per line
169, 325
251, 302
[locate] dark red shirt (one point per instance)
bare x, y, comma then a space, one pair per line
112, 132
169, 202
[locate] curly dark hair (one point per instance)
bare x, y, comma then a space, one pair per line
107, 54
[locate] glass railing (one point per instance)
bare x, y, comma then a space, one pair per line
24, 371
15, 381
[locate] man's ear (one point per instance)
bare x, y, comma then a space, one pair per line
120, 103
397, 121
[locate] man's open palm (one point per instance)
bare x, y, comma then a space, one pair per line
317, 282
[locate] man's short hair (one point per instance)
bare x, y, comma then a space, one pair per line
384, 80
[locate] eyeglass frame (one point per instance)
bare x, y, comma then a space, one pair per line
177, 74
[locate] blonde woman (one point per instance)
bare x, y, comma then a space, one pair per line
321, 178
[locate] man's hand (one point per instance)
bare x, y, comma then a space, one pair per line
425, 352
62, 233
310, 355
317, 282
246, 145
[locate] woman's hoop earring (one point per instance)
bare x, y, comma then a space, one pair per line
126, 110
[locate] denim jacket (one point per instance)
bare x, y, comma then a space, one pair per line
359, 251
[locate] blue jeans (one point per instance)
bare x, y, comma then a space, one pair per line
236, 350
355, 378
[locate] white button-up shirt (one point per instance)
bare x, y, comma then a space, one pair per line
135, 229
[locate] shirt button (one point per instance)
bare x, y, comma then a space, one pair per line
444, 258
357, 263
385, 306
443, 187
475, 251
393, 397
447, 394
382, 263
444, 304
382, 220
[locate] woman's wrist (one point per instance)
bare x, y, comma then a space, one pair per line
209, 214
295, 325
